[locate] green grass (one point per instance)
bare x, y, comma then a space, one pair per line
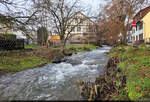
136, 66
32, 46
10, 64
14, 61
80, 48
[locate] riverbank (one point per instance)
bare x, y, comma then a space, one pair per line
135, 65
55, 81
35, 56
127, 76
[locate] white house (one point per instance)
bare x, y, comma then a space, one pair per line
82, 29
141, 31
136, 34
19, 34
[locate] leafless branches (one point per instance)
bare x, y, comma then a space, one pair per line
119, 13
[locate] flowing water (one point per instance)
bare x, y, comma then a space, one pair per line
54, 81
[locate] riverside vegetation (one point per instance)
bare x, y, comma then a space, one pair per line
127, 76
35, 56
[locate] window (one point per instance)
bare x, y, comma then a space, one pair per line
141, 37
140, 26
81, 20
76, 21
73, 29
78, 38
136, 37
79, 29
133, 38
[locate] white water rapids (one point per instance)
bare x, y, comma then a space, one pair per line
54, 81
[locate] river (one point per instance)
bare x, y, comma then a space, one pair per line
55, 81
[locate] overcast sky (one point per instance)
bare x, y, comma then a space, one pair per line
93, 4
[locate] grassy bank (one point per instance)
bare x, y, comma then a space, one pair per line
135, 65
82, 48
127, 76
14, 61
17, 64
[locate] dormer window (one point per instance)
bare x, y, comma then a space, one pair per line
76, 21
73, 29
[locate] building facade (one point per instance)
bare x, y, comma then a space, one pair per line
5, 25
142, 31
81, 29
146, 28
5, 30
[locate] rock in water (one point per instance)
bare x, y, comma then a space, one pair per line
59, 58
74, 61
68, 52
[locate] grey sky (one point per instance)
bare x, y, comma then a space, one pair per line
93, 4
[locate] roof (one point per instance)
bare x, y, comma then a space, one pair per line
141, 14
55, 37
83, 15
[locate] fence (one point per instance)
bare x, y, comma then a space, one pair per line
11, 44
55, 42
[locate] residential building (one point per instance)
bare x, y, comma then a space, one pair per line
141, 31
5, 30
129, 35
146, 27
19, 34
81, 29
5, 26
29, 36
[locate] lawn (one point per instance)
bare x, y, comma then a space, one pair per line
136, 66
83, 48
32, 46
18, 60
10, 64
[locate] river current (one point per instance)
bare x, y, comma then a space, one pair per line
55, 81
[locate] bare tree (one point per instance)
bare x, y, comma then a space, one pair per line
61, 13
121, 12
17, 15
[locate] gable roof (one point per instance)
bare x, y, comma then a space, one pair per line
141, 14
83, 15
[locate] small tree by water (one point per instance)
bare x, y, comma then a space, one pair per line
42, 36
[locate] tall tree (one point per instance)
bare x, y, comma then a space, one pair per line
119, 14
17, 14
60, 13
42, 36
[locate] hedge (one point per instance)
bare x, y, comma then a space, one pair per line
8, 36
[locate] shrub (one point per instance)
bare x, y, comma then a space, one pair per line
8, 36
42, 35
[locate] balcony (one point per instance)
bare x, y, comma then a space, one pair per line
138, 32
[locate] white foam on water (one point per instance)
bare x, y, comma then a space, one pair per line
50, 81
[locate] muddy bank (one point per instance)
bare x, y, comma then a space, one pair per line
107, 86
